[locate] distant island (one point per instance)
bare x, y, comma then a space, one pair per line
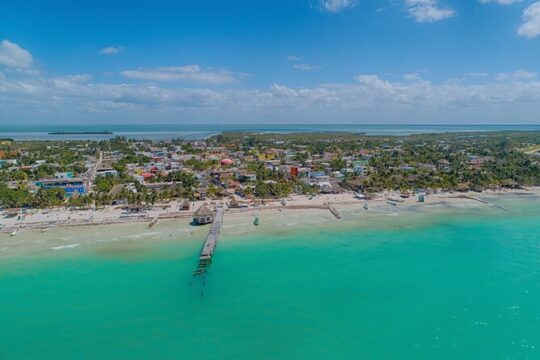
81, 133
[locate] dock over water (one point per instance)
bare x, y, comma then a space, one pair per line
334, 211
205, 259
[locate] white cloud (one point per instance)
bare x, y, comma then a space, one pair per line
412, 76
192, 73
500, 2
14, 56
370, 97
111, 50
517, 75
531, 21
369, 93
306, 67
294, 58
476, 74
335, 6
428, 10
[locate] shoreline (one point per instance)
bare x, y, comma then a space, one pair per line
128, 237
113, 215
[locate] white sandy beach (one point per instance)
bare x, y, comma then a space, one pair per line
62, 217
61, 229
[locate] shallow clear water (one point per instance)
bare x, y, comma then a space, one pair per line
447, 287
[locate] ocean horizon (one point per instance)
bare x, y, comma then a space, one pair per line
158, 132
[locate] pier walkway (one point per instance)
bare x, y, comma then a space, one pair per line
205, 259
334, 211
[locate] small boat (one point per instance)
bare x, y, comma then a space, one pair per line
256, 221
366, 206
393, 203
359, 196
44, 230
14, 232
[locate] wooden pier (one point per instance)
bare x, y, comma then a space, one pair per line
154, 221
480, 201
207, 252
334, 211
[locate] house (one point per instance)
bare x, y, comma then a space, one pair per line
443, 165
360, 168
326, 188
8, 162
318, 177
200, 193
247, 177
185, 206
106, 170
204, 215
479, 161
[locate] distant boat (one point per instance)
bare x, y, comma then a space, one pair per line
14, 232
256, 221
44, 230
393, 203
366, 206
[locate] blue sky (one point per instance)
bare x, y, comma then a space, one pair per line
298, 61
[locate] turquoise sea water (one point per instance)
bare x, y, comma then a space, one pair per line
453, 286
199, 131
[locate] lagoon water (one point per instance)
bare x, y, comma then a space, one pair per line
433, 285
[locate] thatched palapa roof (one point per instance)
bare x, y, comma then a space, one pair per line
204, 211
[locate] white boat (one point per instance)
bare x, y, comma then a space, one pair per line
44, 230
14, 232
359, 196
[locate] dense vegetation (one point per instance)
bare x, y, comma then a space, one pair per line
450, 161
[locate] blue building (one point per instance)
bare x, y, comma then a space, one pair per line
70, 185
